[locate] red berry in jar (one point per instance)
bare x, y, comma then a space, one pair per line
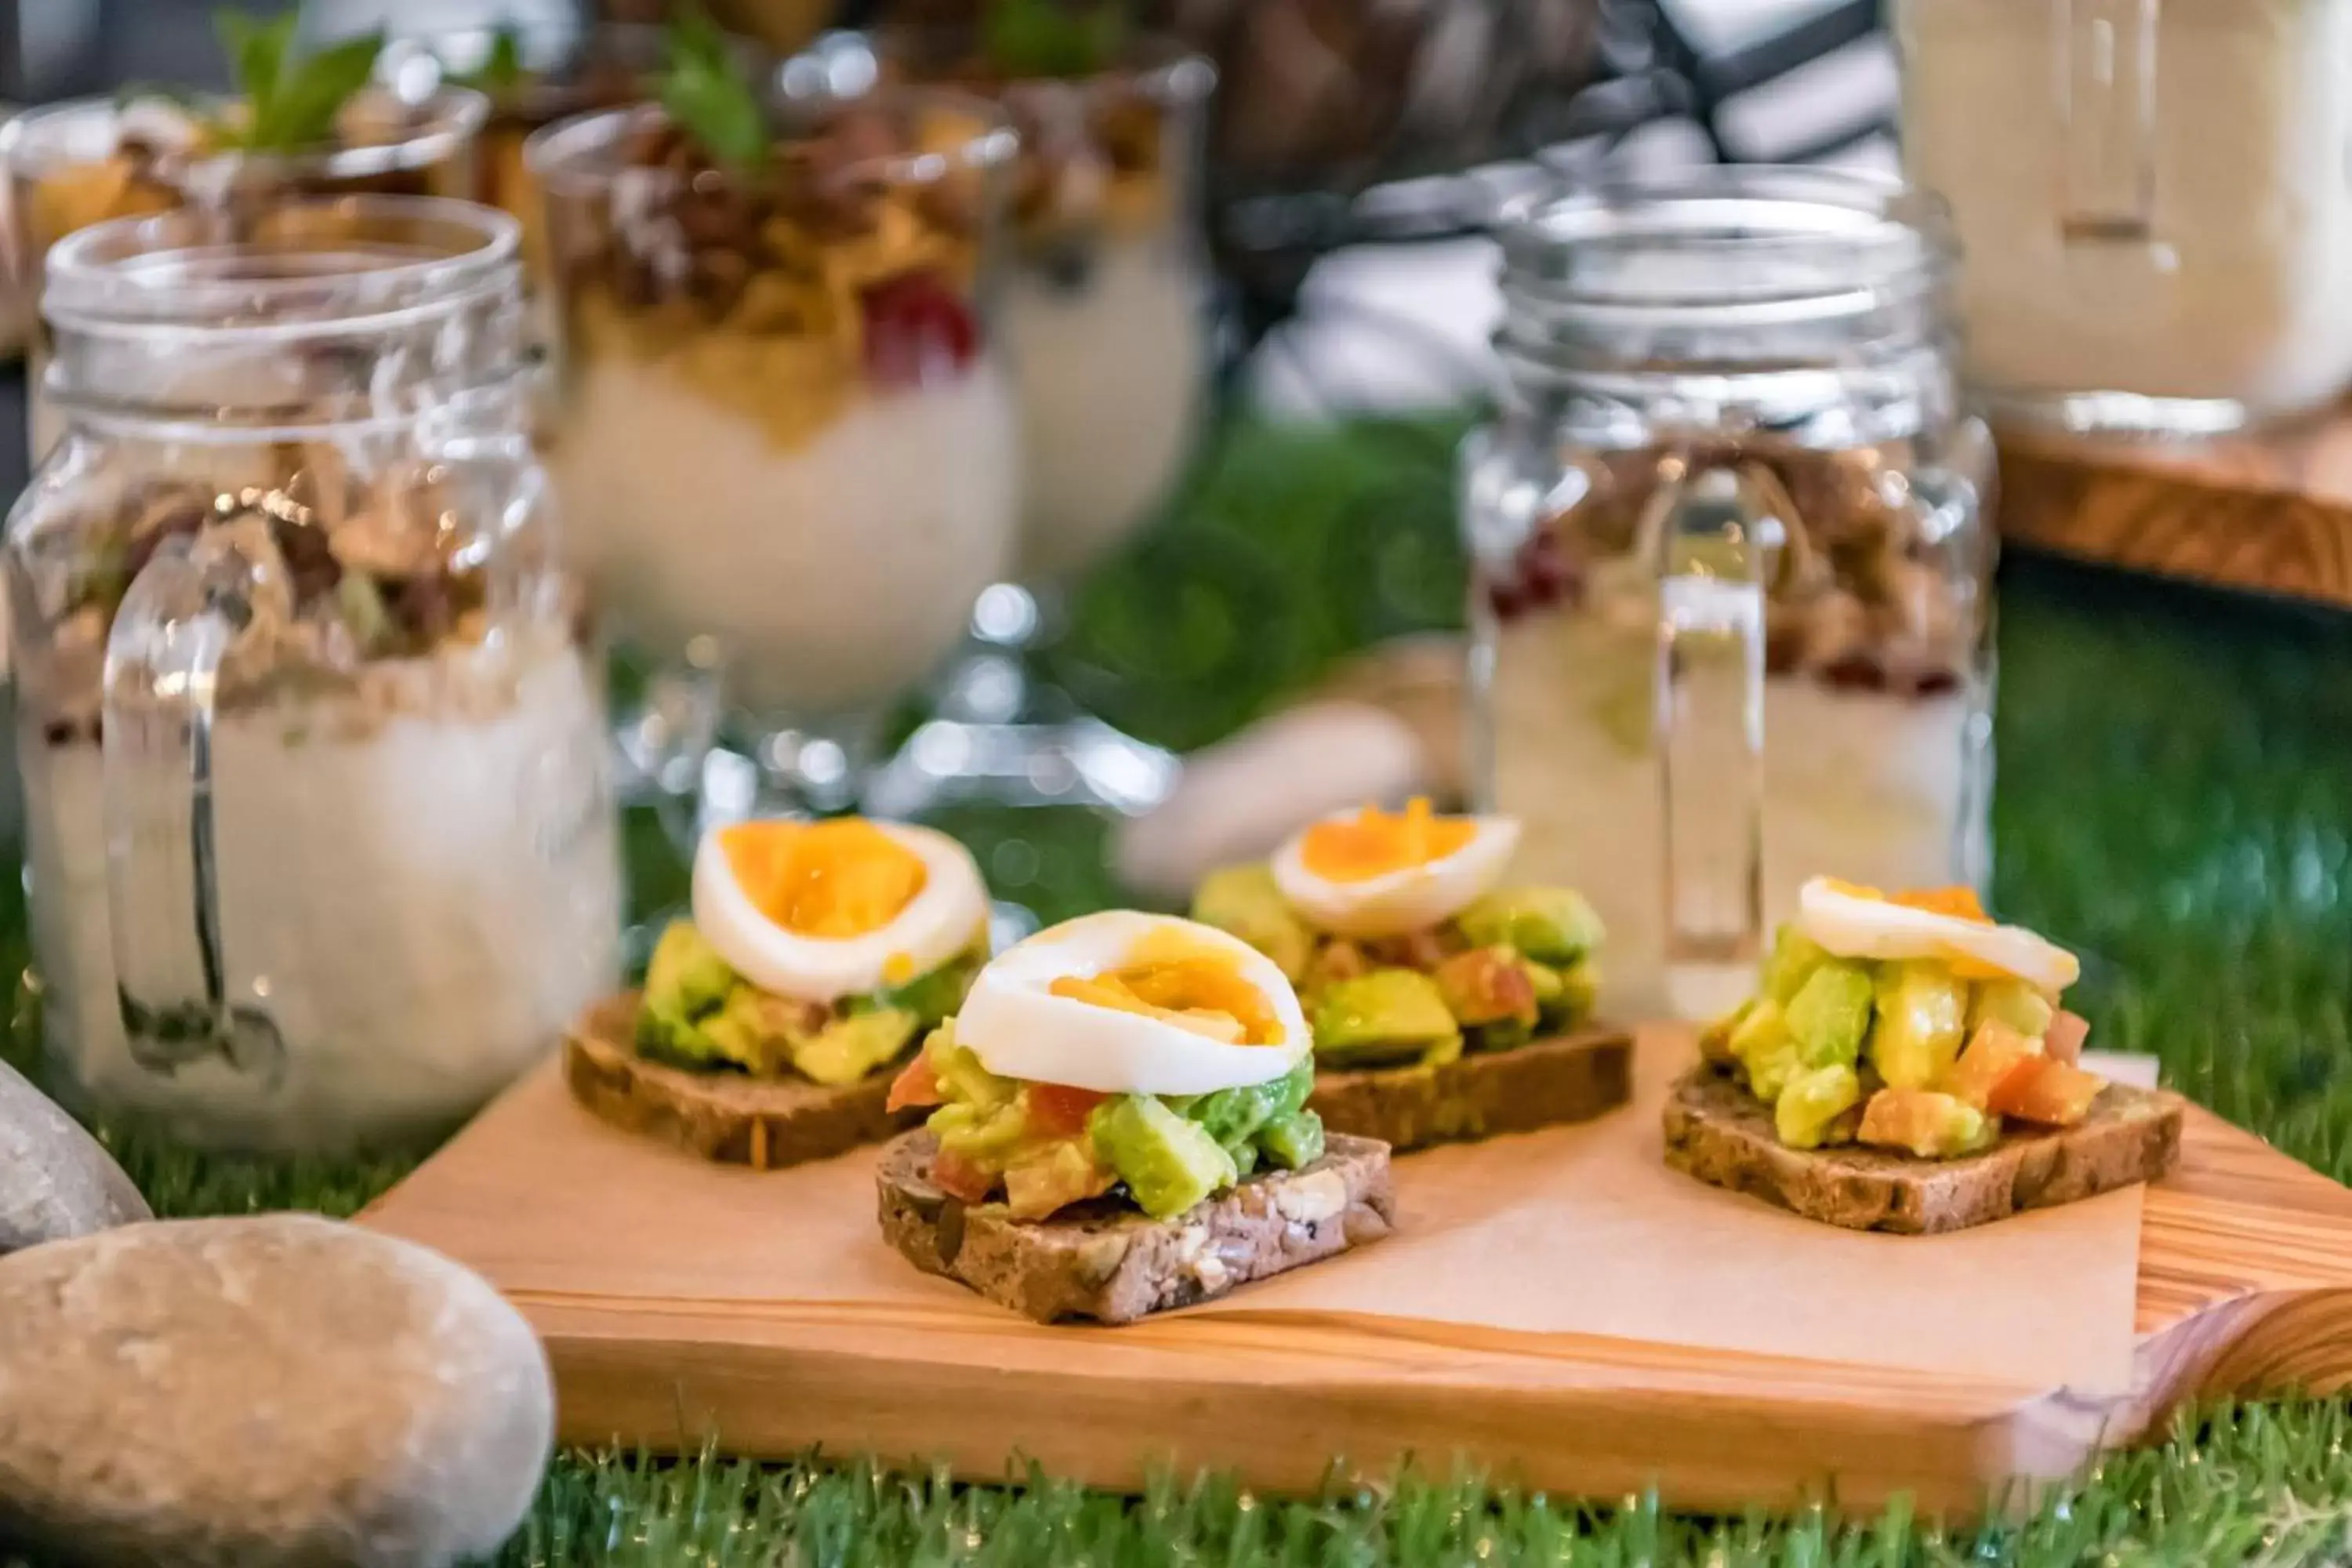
917, 328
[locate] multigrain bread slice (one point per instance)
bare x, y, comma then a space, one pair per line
1719, 1133
1572, 1078
730, 1117
1104, 1260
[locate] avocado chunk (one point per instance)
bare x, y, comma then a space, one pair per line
850, 1049
1168, 1164
687, 978
754, 1031
2009, 1001
961, 1076
1761, 1044
1812, 1102
664, 1033
1293, 1141
1923, 1018
936, 994
1551, 925
1235, 1116
1790, 963
1244, 901
1830, 1015
1388, 1014
1565, 997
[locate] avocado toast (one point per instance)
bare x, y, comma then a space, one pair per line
1118, 1127
772, 1024
1905, 1067
1445, 1005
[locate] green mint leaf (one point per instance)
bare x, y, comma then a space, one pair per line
313, 92
708, 98
256, 52
1047, 38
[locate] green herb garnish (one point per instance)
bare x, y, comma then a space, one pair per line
1048, 39
707, 97
501, 71
291, 102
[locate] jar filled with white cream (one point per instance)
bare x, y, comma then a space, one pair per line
2153, 199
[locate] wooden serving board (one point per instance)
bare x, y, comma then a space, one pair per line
2270, 511
654, 1279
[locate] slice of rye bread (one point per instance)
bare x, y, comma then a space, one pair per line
1571, 1078
1105, 1260
730, 1117
1719, 1133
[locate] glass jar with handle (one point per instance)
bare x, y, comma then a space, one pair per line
1732, 571
320, 844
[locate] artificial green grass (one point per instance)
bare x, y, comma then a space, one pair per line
2175, 800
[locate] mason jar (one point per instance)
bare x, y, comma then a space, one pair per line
2155, 198
320, 844
1732, 568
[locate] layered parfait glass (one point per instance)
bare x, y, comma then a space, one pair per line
787, 441
322, 847
1107, 317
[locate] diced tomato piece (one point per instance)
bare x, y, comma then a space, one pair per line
1487, 985
918, 1085
2047, 1092
959, 1178
1060, 1111
2064, 1038
1994, 1053
1920, 1121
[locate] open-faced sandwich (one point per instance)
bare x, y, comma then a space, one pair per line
1446, 1004
773, 1023
1121, 1128
1905, 1067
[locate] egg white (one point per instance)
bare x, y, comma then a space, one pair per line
938, 923
1409, 898
1019, 1028
1853, 927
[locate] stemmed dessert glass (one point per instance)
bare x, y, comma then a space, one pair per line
321, 845
786, 439
1106, 319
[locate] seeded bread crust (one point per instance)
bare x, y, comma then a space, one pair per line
1572, 1078
729, 1117
1717, 1130
1104, 1261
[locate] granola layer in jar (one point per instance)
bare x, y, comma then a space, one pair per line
787, 441
1733, 588
295, 653
1107, 301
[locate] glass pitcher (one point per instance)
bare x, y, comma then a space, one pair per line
1732, 573
320, 842
2154, 199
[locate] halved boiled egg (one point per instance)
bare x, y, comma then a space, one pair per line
1942, 923
1376, 873
1124, 1002
825, 909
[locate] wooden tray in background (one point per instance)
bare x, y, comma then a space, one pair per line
2244, 1287
2270, 512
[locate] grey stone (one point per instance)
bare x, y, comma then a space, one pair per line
267, 1391
56, 1181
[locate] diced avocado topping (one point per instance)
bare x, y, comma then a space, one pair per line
1763, 1044
1813, 1100
1790, 963
1167, 1162
1830, 1015
1551, 925
936, 994
1244, 901
961, 1076
1234, 1117
2009, 1001
1488, 985
1923, 1123
847, 1049
1293, 1141
687, 978
1385, 1015
1922, 1013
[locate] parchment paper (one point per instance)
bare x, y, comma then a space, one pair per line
1571, 1230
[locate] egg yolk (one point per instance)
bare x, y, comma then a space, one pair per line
1957, 903
840, 878
1203, 995
1374, 843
